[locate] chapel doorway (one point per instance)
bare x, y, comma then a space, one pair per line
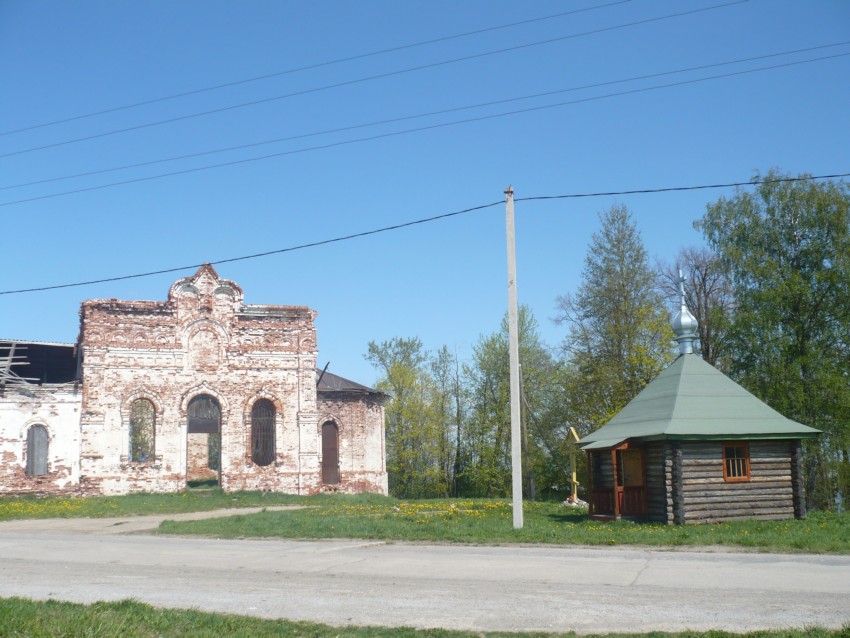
203, 442
330, 453
631, 494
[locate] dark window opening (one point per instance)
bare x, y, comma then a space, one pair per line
204, 415
262, 432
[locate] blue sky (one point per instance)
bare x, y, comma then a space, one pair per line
445, 281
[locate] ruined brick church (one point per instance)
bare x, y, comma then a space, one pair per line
197, 389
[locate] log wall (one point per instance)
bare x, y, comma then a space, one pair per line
707, 497
603, 470
657, 462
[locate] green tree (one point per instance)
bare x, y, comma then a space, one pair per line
619, 330
487, 441
786, 247
447, 406
415, 420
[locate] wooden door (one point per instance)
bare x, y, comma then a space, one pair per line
330, 453
631, 493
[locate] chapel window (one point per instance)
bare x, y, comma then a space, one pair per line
262, 432
736, 462
142, 430
37, 442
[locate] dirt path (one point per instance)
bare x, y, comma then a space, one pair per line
123, 524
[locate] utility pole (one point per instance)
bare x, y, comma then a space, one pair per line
458, 415
523, 422
513, 339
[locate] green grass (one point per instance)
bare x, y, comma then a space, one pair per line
369, 516
130, 619
490, 521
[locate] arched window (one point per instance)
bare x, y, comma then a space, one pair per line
142, 430
262, 432
330, 453
37, 442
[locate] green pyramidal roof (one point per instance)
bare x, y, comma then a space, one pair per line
693, 400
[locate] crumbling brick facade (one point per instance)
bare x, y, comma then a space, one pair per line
359, 420
226, 391
56, 408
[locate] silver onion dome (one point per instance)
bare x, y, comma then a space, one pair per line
684, 323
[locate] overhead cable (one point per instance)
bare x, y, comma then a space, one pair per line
310, 67
417, 129
426, 220
420, 115
673, 189
368, 78
264, 254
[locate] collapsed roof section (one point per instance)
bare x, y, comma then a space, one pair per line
37, 363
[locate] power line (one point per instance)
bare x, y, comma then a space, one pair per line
310, 67
426, 220
673, 189
368, 78
263, 254
420, 115
417, 129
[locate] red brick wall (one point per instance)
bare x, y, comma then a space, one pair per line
360, 420
202, 340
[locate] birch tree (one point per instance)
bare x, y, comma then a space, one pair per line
413, 435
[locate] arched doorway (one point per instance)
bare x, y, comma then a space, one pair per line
203, 442
330, 453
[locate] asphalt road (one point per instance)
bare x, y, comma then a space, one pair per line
398, 584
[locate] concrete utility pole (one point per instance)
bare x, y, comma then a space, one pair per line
513, 338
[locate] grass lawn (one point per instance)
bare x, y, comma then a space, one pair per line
490, 521
129, 619
442, 520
